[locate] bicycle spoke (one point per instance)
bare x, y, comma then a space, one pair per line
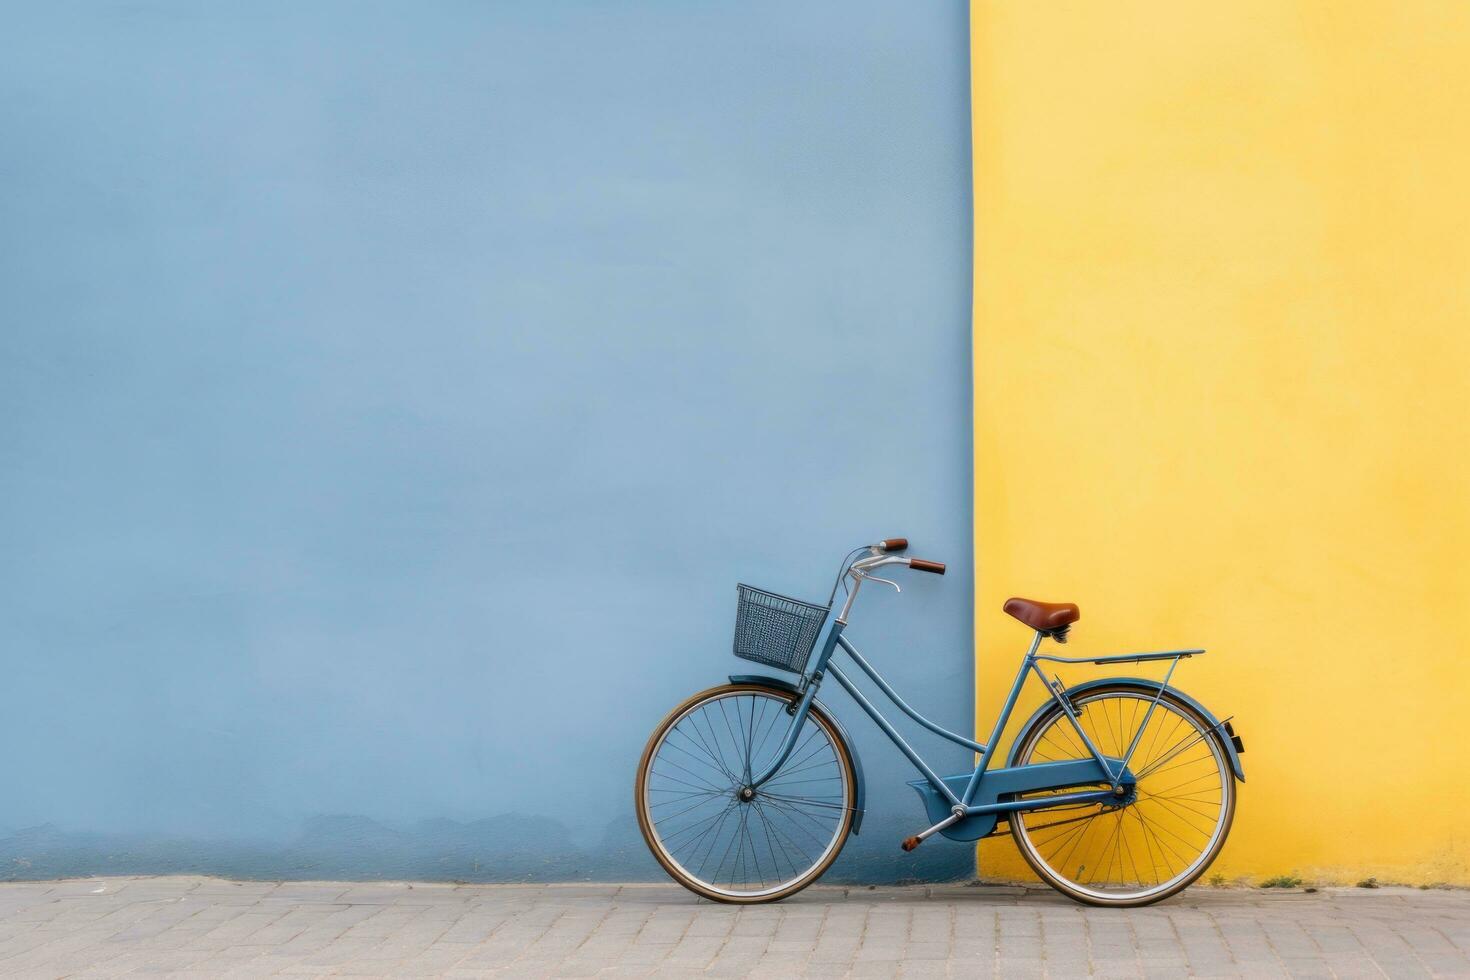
807, 823
796, 801
725, 814
688, 828
711, 746
790, 842
681, 782
771, 843
695, 759
702, 784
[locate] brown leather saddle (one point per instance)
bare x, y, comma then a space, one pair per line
1049, 617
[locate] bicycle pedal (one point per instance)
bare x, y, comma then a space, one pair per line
911, 842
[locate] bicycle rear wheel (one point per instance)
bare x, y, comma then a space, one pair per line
1156, 843
721, 838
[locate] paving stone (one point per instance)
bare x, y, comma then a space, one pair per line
208, 927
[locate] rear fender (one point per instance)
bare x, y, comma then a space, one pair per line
860, 790
1233, 744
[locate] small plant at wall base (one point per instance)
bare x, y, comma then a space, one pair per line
1282, 881
1368, 883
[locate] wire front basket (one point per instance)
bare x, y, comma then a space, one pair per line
775, 630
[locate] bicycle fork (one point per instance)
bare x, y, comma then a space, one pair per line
798, 711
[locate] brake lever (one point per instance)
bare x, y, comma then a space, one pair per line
884, 581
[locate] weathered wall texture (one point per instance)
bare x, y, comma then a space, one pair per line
391, 396
1221, 357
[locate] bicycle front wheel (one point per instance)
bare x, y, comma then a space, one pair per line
1152, 845
714, 833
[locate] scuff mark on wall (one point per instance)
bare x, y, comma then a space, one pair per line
503, 848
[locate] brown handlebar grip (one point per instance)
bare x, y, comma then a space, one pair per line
920, 565
893, 544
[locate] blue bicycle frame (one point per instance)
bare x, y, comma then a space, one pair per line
968, 806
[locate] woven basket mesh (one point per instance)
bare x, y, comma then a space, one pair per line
775, 630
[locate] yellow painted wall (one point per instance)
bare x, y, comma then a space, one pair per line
1222, 342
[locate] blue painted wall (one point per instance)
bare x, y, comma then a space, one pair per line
392, 394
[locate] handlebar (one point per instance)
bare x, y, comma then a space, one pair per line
861, 570
864, 566
917, 564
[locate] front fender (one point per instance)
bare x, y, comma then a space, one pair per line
1230, 738
860, 790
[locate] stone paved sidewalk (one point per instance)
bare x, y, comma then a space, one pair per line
206, 927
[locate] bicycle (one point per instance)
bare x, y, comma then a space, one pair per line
758, 777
